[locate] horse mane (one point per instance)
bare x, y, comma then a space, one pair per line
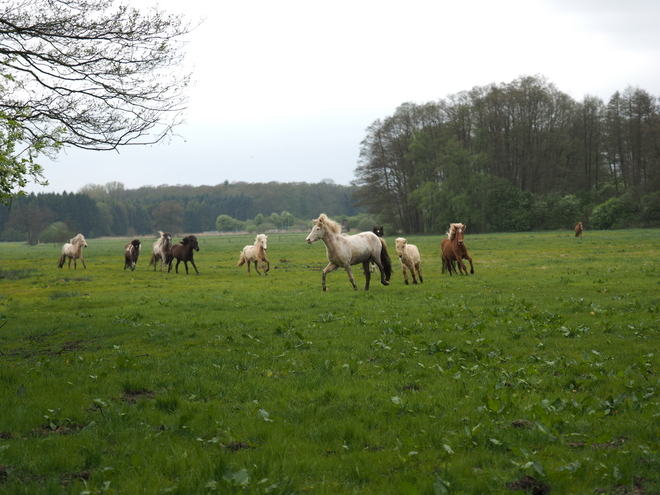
76, 239
329, 224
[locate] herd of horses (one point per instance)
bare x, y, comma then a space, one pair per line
342, 250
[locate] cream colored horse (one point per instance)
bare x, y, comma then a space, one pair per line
73, 251
162, 250
346, 250
256, 254
410, 259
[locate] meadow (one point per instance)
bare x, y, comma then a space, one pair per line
537, 374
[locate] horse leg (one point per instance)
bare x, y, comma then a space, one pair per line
411, 267
176, 267
419, 272
367, 274
192, 262
256, 267
405, 272
331, 266
265, 260
83, 262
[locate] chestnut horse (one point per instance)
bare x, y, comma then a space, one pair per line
73, 251
578, 230
257, 254
410, 259
347, 250
454, 250
184, 252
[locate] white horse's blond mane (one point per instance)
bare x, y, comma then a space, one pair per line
328, 223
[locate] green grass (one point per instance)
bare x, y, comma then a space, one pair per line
538, 373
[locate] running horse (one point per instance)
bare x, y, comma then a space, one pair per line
346, 250
73, 251
578, 230
184, 252
131, 254
454, 250
256, 254
410, 260
162, 250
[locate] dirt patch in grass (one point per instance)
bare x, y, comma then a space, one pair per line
132, 396
529, 484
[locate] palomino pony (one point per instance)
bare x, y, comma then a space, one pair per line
256, 254
454, 250
162, 250
131, 253
578, 230
73, 251
410, 259
184, 252
347, 250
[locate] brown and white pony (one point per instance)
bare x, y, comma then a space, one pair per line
454, 250
346, 250
256, 254
184, 252
131, 254
578, 230
162, 250
73, 251
410, 259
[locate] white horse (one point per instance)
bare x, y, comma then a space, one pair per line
410, 259
162, 250
347, 250
257, 254
73, 251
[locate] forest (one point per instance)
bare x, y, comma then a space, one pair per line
515, 157
506, 157
111, 210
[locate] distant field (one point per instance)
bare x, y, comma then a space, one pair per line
537, 374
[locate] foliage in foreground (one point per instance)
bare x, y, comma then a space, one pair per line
535, 375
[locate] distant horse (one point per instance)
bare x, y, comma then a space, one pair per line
410, 259
73, 251
184, 252
454, 250
131, 253
257, 254
162, 250
578, 230
347, 250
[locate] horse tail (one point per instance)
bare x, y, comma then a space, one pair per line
385, 260
60, 263
241, 261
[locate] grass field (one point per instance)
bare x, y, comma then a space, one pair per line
537, 374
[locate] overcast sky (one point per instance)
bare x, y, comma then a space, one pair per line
285, 90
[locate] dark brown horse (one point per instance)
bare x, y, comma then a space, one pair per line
184, 252
578, 230
454, 250
131, 254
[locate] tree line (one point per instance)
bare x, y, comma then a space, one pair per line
512, 157
112, 210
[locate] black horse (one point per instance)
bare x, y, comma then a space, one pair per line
184, 252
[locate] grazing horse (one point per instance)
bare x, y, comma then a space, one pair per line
410, 259
578, 230
454, 250
73, 251
347, 250
131, 253
184, 252
162, 250
257, 254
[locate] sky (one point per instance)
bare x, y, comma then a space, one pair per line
284, 91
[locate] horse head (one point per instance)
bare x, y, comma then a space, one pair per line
378, 230
192, 240
262, 240
400, 246
460, 231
